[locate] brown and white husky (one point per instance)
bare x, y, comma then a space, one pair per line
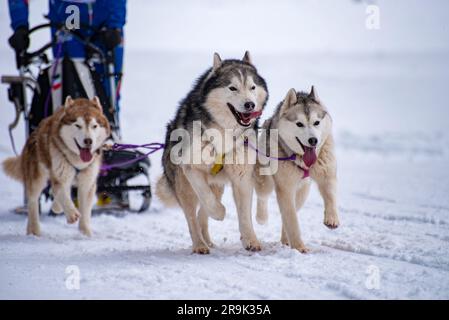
66, 147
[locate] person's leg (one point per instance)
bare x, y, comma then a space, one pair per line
118, 53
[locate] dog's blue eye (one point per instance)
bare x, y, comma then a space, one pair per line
233, 88
299, 124
316, 123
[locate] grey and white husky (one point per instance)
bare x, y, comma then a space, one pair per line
229, 96
305, 130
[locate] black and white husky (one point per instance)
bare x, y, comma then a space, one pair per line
225, 101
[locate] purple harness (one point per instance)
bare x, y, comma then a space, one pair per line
153, 147
293, 157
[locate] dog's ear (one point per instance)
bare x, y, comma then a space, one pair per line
247, 58
68, 102
61, 112
313, 94
217, 61
96, 102
290, 100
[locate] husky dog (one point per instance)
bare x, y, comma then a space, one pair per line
65, 146
229, 96
305, 130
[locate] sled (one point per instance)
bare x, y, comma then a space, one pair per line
49, 83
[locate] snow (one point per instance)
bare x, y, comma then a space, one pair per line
386, 92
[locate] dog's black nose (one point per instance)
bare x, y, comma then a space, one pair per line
249, 106
313, 141
87, 142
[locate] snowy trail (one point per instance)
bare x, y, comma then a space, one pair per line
148, 256
391, 118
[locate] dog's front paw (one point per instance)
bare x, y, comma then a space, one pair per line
33, 229
331, 220
208, 241
284, 240
201, 249
218, 212
210, 244
251, 244
301, 248
73, 216
56, 208
87, 231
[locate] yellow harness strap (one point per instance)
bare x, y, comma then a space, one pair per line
218, 165
103, 200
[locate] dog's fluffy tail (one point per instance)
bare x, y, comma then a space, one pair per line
165, 192
13, 168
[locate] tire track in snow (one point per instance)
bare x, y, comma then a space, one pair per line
390, 217
342, 246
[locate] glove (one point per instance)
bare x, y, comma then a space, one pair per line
19, 40
111, 38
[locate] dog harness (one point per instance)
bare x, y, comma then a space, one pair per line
219, 160
218, 164
293, 157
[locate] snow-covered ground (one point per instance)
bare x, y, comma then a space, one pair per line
387, 94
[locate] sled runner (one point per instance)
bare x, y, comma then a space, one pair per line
50, 82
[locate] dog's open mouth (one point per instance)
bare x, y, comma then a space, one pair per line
309, 156
244, 119
85, 153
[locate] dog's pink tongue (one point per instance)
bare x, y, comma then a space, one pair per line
309, 156
85, 154
255, 114
246, 117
